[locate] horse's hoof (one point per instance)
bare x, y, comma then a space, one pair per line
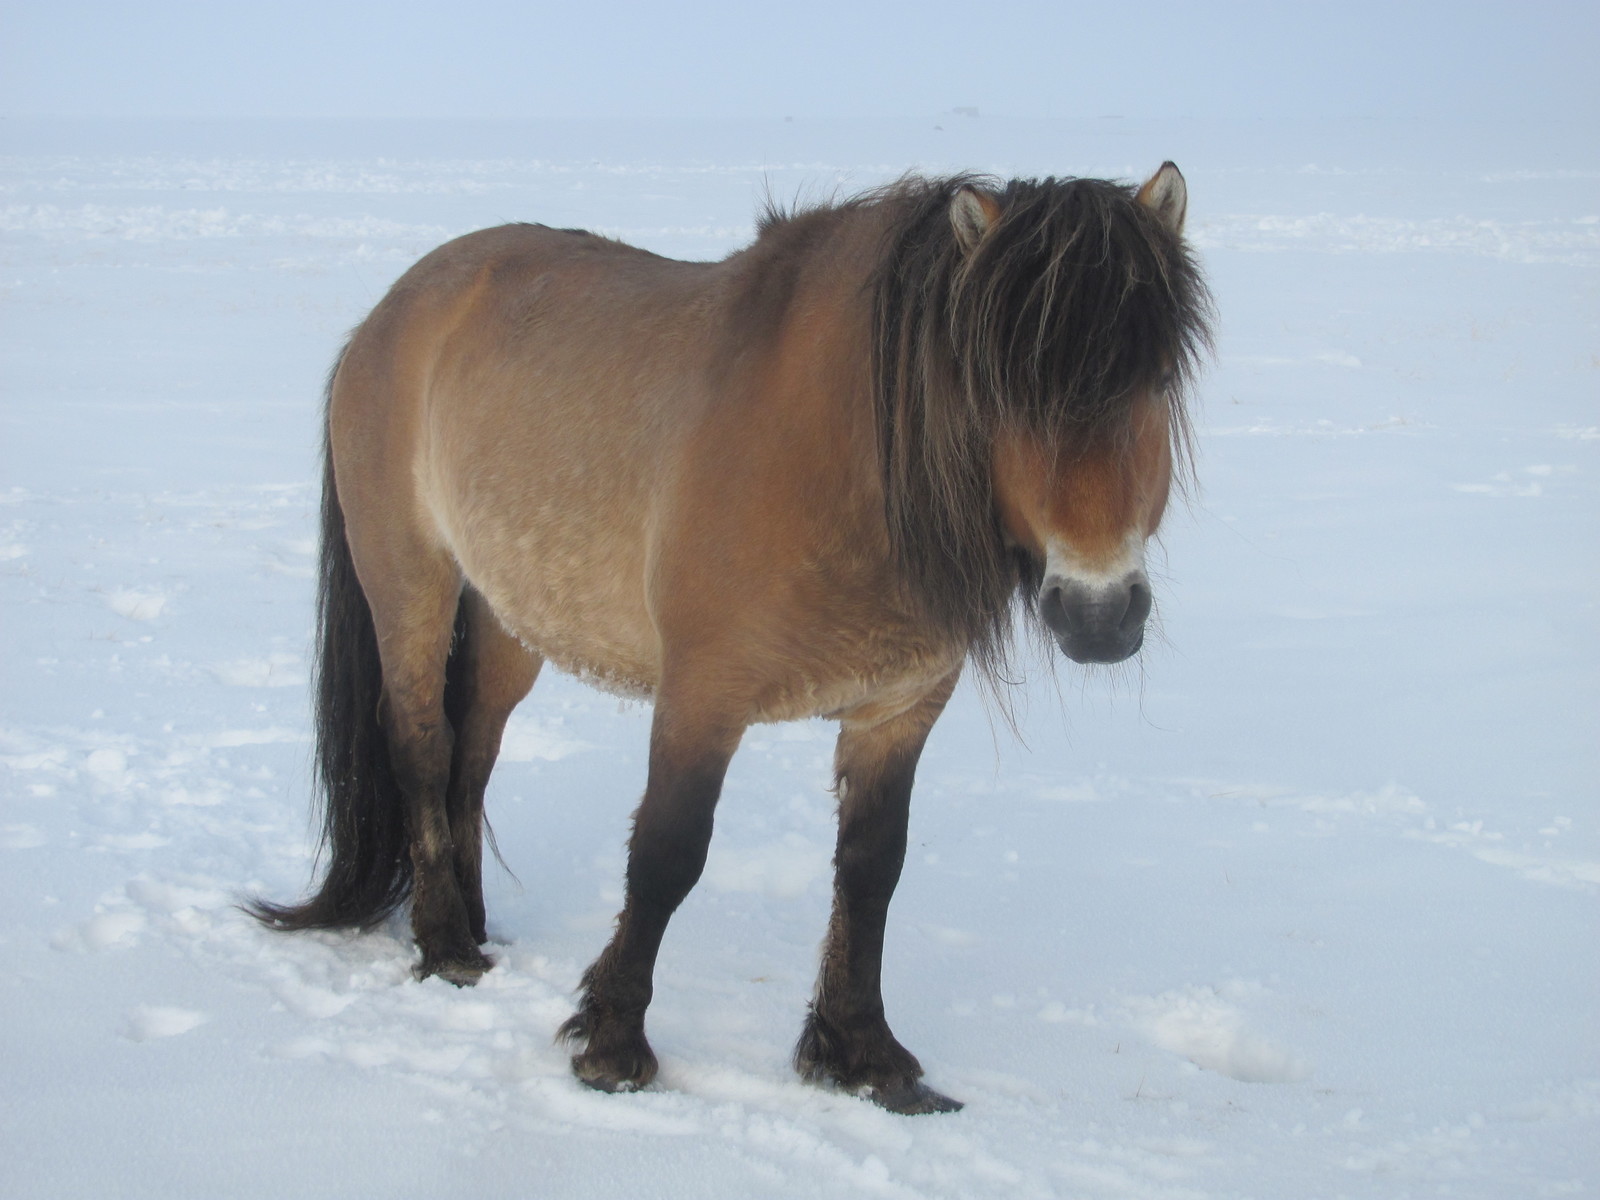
463, 970
611, 1087
910, 1099
627, 1072
615, 1054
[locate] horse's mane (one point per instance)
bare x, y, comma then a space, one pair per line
1076, 301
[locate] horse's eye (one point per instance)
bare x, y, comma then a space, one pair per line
1167, 381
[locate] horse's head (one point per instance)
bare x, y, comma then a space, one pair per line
1083, 516
1083, 499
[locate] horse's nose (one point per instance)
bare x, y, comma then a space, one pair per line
1096, 622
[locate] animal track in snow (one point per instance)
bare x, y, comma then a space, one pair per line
1400, 810
1504, 484
1490, 847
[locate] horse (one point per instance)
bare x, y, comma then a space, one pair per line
817, 478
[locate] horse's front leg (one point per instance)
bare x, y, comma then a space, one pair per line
846, 1040
667, 852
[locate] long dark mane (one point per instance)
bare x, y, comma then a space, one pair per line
1076, 301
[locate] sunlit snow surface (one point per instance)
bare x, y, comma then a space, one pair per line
1304, 905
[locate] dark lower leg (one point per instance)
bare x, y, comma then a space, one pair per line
494, 672
420, 743
667, 852
465, 806
846, 1040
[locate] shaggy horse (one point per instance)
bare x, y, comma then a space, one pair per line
815, 478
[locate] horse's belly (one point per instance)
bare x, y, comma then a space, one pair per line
573, 596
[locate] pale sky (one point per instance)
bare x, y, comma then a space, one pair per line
1464, 60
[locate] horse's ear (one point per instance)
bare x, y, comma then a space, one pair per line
1166, 195
972, 214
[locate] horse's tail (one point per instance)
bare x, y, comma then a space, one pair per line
365, 847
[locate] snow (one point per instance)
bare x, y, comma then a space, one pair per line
1302, 905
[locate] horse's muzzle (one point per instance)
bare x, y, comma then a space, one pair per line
1096, 622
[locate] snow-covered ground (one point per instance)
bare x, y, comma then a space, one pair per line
1304, 905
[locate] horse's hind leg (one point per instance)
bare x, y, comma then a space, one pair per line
414, 591
689, 753
490, 672
846, 1040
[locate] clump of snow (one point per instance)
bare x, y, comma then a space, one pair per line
136, 605
1210, 1032
148, 1022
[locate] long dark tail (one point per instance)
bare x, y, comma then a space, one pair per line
365, 847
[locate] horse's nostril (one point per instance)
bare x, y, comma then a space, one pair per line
1053, 610
1139, 601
